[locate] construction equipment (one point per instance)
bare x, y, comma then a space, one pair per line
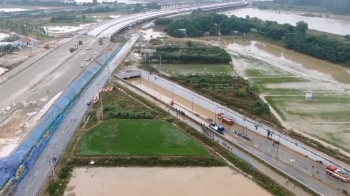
100, 41
340, 173
80, 42
217, 128
73, 49
225, 119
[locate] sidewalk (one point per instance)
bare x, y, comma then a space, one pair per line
260, 166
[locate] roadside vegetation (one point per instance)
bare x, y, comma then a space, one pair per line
194, 68
192, 54
292, 37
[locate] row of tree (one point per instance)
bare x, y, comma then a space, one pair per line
334, 6
17, 26
63, 18
294, 37
192, 54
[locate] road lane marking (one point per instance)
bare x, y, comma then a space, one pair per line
36, 173
26, 188
44, 161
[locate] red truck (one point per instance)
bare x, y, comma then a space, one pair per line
225, 119
341, 174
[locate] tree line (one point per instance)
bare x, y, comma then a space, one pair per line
192, 54
333, 6
293, 37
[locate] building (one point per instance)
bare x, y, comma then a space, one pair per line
308, 96
25, 41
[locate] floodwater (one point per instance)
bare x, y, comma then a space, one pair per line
336, 24
161, 181
293, 62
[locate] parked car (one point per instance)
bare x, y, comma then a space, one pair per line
88, 103
88, 59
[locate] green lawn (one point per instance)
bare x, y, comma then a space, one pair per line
137, 137
184, 69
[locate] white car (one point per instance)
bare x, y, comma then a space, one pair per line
88, 48
88, 58
95, 53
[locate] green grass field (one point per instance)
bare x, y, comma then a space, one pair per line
138, 137
185, 69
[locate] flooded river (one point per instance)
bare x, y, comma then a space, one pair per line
335, 24
291, 61
161, 181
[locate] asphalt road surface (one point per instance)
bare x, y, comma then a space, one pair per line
55, 72
33, 181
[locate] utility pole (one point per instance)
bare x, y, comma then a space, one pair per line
53, 166
160, 63
172, 94
219, 35
244, 119
279, 138
215, 115
101, 105
192, 105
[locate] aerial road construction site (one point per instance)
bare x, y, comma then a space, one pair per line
43, 104
34, 98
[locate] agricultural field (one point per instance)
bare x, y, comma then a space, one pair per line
325, 117
137, 137
189, 69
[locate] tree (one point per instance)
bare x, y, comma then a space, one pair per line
83, 17
190, 43
301, 26
347, 37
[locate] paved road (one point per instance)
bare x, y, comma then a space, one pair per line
54, 72
108, 29
301, 169
33, 181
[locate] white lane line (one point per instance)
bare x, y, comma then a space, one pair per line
36, 173
44, 161
26, 188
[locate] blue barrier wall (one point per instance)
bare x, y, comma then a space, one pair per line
31, 148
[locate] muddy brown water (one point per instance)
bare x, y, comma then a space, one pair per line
161, 181
336, 24
293, 61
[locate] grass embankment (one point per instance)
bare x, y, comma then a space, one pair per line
137, 137
189, 69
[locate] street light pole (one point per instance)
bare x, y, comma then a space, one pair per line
279, 138
215, 115
192, 105
101, 105
244, 119
172, 94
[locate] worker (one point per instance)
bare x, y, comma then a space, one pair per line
47, 91
313, 165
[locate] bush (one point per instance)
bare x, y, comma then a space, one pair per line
261, 107
163, 21
241, 92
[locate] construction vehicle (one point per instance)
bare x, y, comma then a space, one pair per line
80, 42
100, 41
339, 173
217, 128
225, 119
73, 49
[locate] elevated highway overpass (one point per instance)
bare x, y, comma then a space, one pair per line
109, 29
